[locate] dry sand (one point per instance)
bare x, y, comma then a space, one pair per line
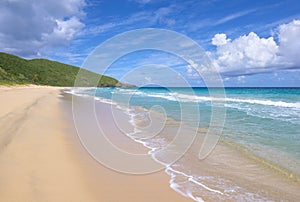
41, 158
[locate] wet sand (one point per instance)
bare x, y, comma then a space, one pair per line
41, 158
238, 174
243, 171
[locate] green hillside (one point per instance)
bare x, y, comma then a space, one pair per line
16, 70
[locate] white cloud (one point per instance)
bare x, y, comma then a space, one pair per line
139, 19
289, 37
148, 79
233, 16
111, 26
250, 54
64, 32
29, 27
162, 15
143, 2
191, 72
94, 30
241, 79
220, 39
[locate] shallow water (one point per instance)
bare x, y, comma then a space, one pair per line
265, 123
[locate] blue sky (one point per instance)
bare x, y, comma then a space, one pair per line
251, 43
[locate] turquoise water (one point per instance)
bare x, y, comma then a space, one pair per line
265, 121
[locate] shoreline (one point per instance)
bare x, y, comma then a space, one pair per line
37, 134
229, 143
276, 167
247, 169
41, 158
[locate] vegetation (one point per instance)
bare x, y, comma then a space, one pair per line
16, 70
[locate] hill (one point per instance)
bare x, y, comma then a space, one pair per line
16, 70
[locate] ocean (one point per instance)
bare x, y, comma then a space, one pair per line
262, 124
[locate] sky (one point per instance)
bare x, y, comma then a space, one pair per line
250, 43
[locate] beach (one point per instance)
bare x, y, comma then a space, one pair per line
42, 159
254, 169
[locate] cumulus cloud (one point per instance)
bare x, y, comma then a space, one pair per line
250, 54
220, 39
28, 27
289, 38
63, 32
248, 51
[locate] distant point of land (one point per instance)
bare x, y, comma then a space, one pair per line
18, 71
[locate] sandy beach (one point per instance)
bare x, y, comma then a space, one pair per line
41, 158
